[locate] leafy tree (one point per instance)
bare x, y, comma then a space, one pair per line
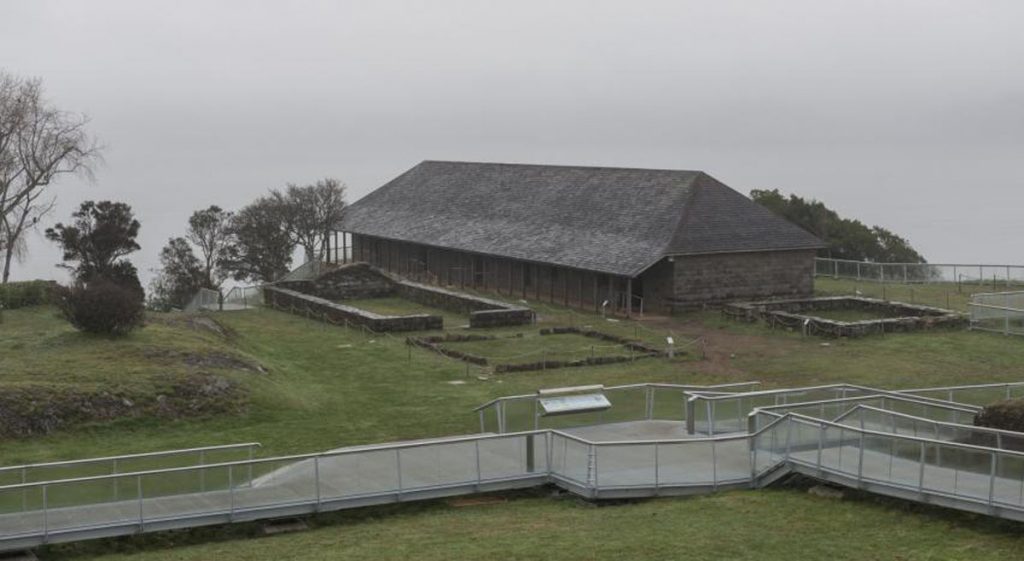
845, 238
181, 276
262, 248
208, 231
96, 241
39, 143
309, 212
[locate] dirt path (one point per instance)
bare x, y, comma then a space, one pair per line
722, 346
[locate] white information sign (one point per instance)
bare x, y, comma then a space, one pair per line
560, 405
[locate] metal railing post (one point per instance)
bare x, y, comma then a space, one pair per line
649, 402
248, 471
548, 445
821, 444
202, 472
46, 514
231, 493
992, 479
714, 466
479, 475
920, 477
860, 461
656, 468
398, 465
316, 481
593, 449
753, 460
138, 490
789, 434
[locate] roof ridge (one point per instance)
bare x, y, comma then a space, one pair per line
564, 166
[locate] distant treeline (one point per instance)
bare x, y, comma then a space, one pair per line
846, 238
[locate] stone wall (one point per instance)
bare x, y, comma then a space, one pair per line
346, 282
724, 277
361, 280
292, 301
483, 312
799, 315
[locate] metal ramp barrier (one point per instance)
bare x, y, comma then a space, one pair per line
905, 445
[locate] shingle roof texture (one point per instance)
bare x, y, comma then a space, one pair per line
610, 220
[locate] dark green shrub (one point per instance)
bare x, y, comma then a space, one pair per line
103, 307
1007, 415
15, 295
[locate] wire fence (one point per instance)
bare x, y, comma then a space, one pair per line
206, 299
999, 312
920, 273
243, 298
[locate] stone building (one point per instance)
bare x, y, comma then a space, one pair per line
589, 237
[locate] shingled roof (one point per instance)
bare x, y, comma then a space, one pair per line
610, 220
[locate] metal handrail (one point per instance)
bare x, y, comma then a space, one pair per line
378, 448
948, 443
963, 387
591, 482
875, 391
293, 457
157, 454
686, 387
906, 399
779, 391
974, 428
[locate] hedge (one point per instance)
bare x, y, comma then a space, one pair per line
15, 295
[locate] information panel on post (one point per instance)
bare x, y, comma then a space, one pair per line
580, 399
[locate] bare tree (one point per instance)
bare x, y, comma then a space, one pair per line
21, 219
309, 212
38, 144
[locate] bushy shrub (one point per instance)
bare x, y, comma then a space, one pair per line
15, 295
1007, 415
103, 307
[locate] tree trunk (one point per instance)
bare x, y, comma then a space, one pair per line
8, 254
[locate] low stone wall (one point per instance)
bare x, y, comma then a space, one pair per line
289, 300
483, 312
637, 350
625, 342
346, 282
360, 280
798, 314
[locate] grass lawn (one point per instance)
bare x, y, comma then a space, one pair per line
533, 347
941, 294
394, 306
328, 386
766, 525
40, 348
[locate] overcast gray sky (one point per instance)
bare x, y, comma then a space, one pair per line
909, 115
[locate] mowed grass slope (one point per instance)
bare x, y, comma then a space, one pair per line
328, 386
766, 525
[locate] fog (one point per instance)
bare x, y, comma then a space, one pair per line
908, 115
